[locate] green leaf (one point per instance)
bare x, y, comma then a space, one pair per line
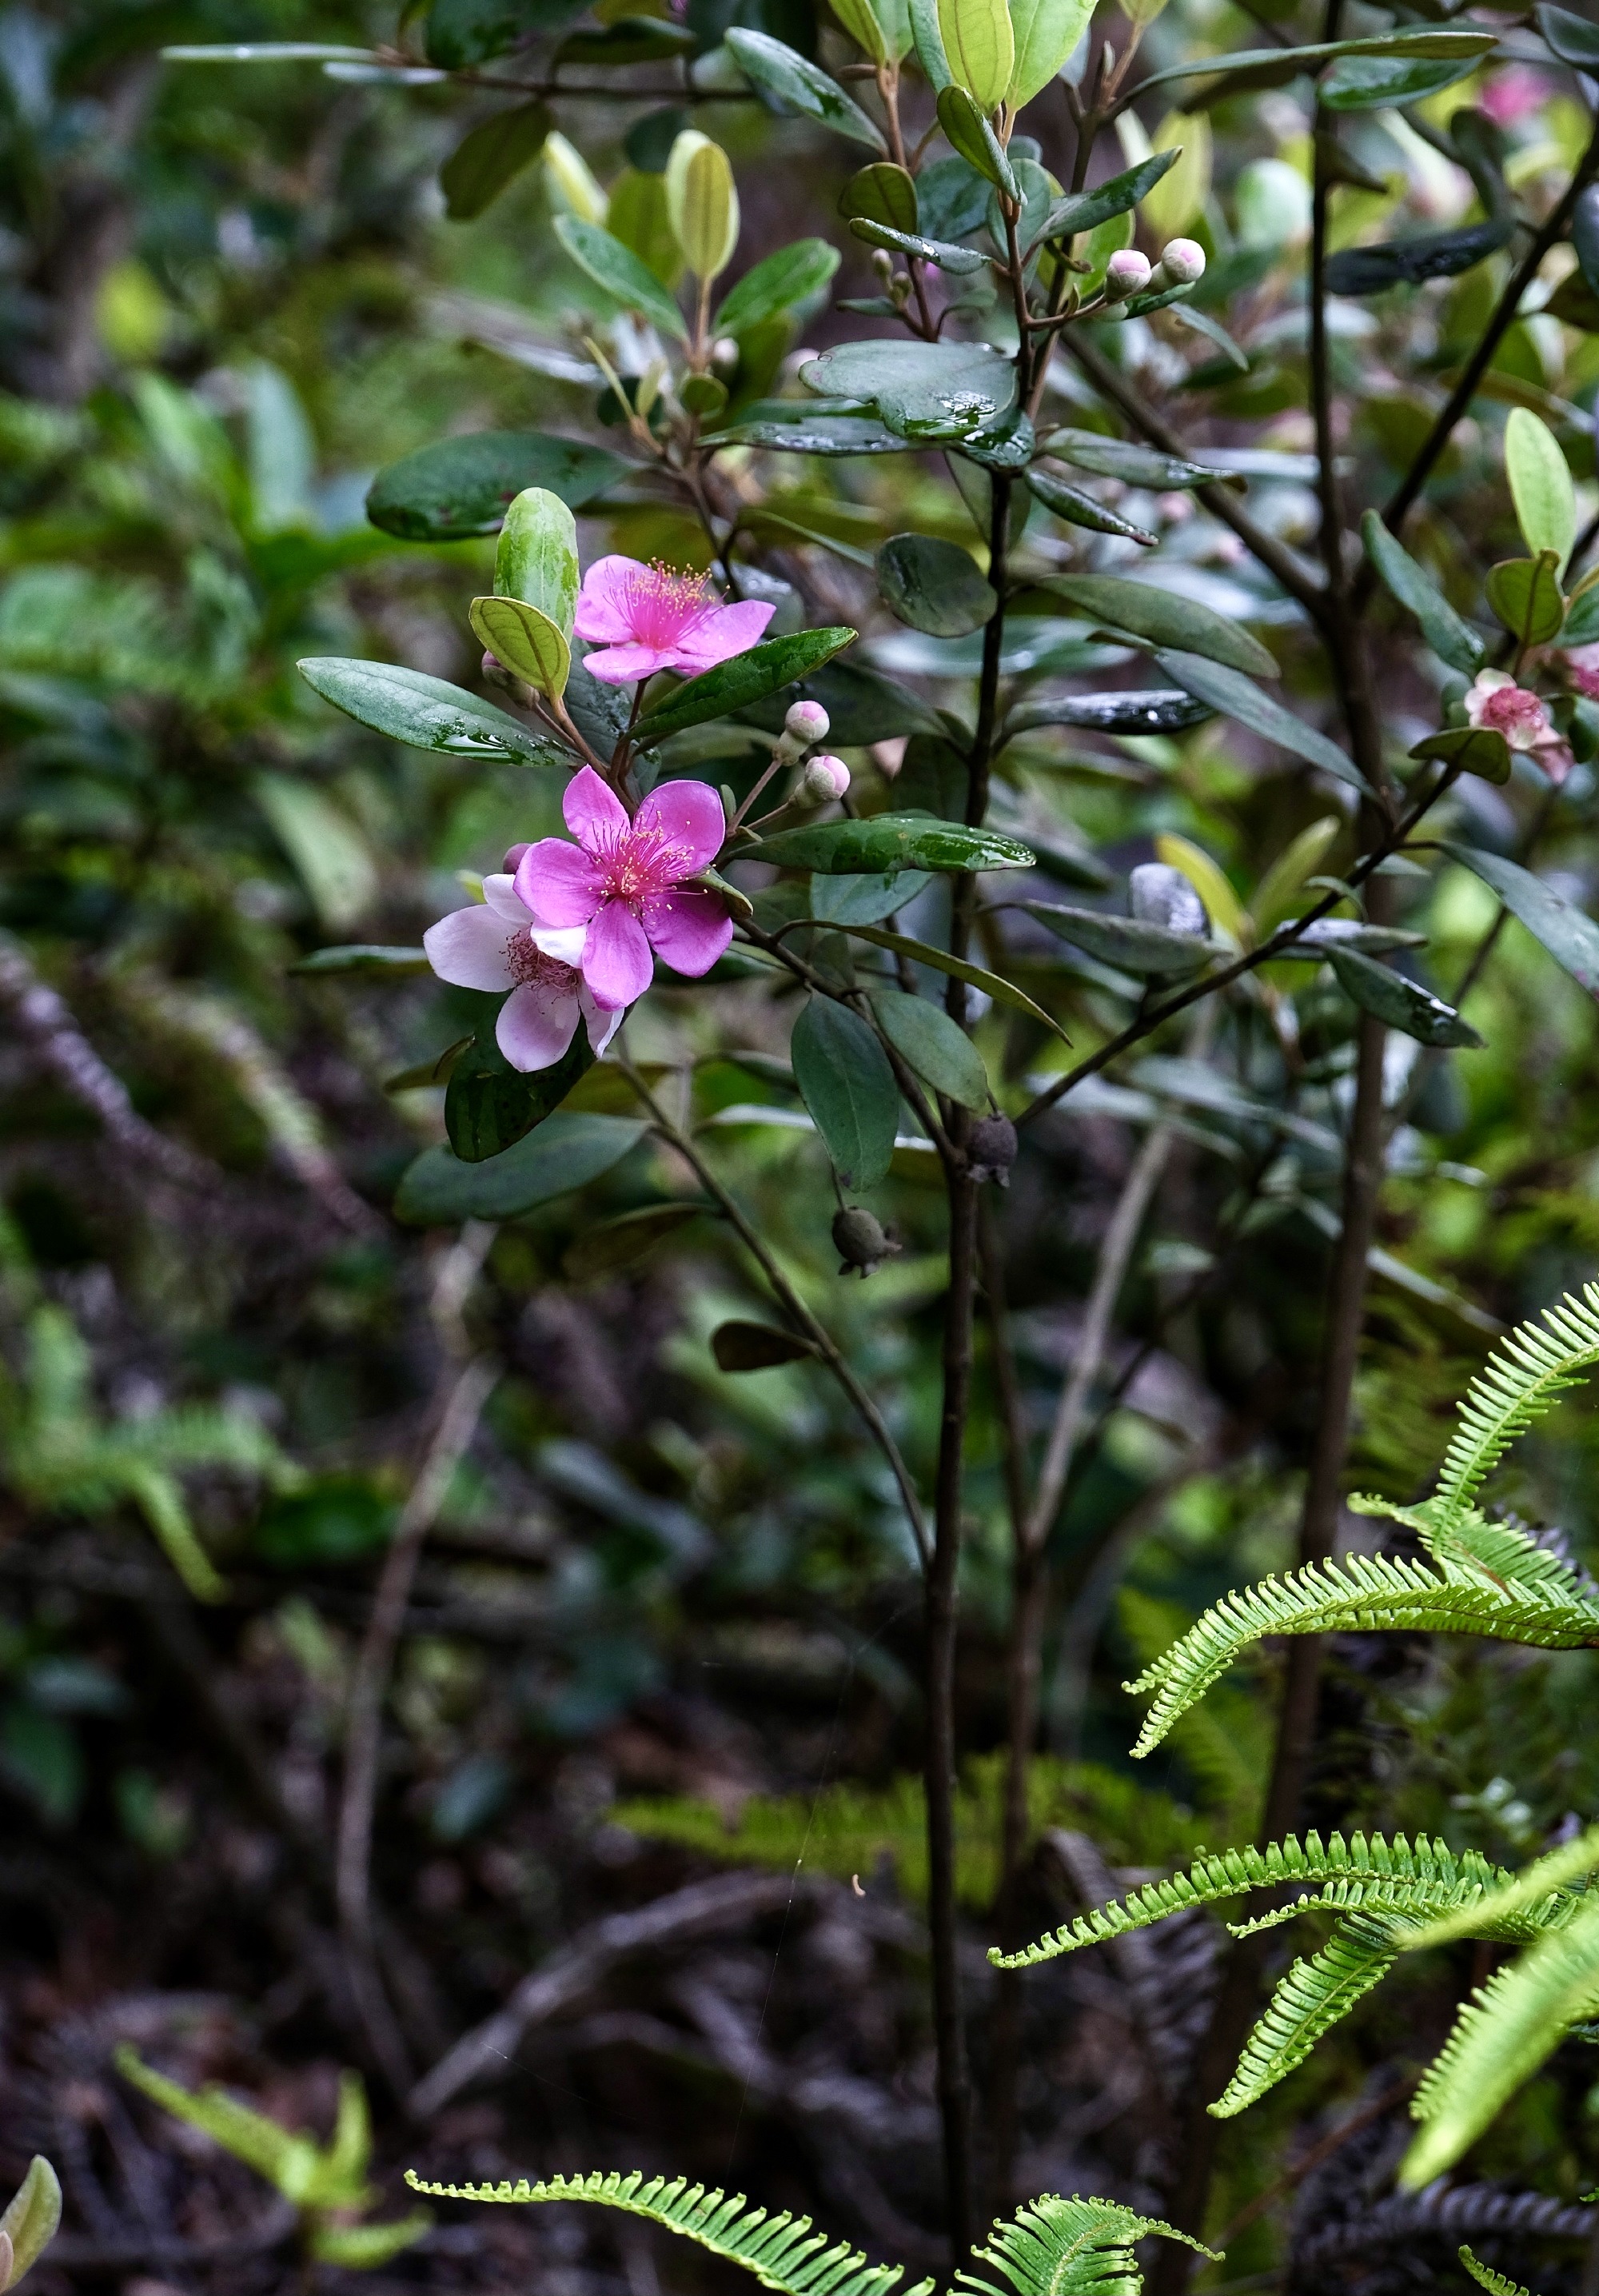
1080, 509
939, 391
1047, 34
1165, 617
613, 1245
889, 842
627, 40
739, 1346
1111, 713
959, 262
783, 74
1425, 46
1540, 487
933, 585
935, 1046
536, 563
1573, 39
489, 155
619, 272
735, 684
865, 900
801, 432
426, 713
1070, 2248
489, 1105
1236, 697
460, 487
461, 32
1201, 323
1130, 944
980, 47
566, 1152
881, 193
1080, 211
1362, 83
1453, 640
929, 43
363, 2247
1431, 255
787, 276
1498, 2284
971, 133
1570, 936
1474, 749
1398, 1003
1525, 594
959, 968
331, 855
364, 956
848, 1085
1125, 458
524, 641
32, 2217
286, 2158
269, 52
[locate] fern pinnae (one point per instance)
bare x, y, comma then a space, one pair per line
1519, 1383
1079, 2247
1523, 1905
784, 2252
1498, 2284
1308, 2001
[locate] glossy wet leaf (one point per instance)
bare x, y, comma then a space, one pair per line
735, 684
848, 1088
972, 135
888, 842
799, 431
783, 74
1112, 713
1400, 1003
934, 391
1077, 508
1165, 617
936, 1048
1525, 594
561, 1154
464, 486
1238, 697
1569, 933
426, 713
960, 262
619, 272
1127, 459
1362, 83
1453, 640
1130, 944
489, 155
933, 585
1080, 211
789, 275
739, 1346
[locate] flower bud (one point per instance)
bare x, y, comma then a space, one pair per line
862, 1244
1182, 262
513, 854
991, 1150
1128, 273
495, 672
825, 778
808, 722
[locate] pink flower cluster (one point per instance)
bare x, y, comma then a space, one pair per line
1497, 702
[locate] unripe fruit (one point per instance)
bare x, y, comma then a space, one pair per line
825, 778
991, 1150
862, 1244
1182, 262
1128, 273
807, 721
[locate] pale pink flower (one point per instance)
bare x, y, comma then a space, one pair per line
1582, 669
624, 880
648, 617
497, 943
1497, 702
1510, 95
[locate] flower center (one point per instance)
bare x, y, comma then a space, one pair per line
1515, 713
637, 863
663, 604
531, 967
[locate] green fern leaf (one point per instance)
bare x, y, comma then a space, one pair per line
1404, 1904
782, 2251
1538, 1898
1487, 2277
1517, 1385
1307, 2004
1501, 2038
1430, 1870
1069, 2248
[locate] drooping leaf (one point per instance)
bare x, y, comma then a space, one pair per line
489, 155
789, 275
1570, 937
849, 1088
426, 712
889, 842
1430, 255
627, 40
800, 431
460, 487
1477, 750
960, 262
1111, 713
938, 1048
267, 51
1453, 640
1202, 322
959, 968
1164, 617
1080, 211
933, 585
782, 73
971, 134
1540, 487
739, 1346
613, 1245
1498, 2284
564, 1153
1401, 1003
1525, 594
735, 684
619, 272
1130, 944
1237, 697
1125, 458
1079, 509
934, 391
1431, 47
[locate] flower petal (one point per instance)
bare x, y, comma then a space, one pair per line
592, 812
564, 943
688, 931
467, 948
723, 632
690, 814
535, 1025
605, 602
617, 965
559, 883
501, 896
601, 1025
624, 665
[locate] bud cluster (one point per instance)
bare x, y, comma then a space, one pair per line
1129, 273
824, 777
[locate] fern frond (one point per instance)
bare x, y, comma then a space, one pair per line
1484, 2275
1538, 1898
1429, 1867
1365, 1593
1403, 1904
1308, 2003
1517, 1385
781, 2251
1500, 2038
1069, 2248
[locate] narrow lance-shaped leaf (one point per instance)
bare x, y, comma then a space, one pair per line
1453, 640
781, 72
1570, 936
1400, 1002
1079, 509
1165, 617
489, 155
1540, 486
936, 1048
565, 1152
735, 684
1128, 459
1080, 211
959, 262
426, 712
619, 272
1236, 697
959, 968
787, 276
967, 126
890, 840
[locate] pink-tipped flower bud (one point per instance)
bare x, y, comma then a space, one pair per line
808, 722
1128, 273
513, 854
1182, 262
825, 778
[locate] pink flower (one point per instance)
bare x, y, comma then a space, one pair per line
1582, 669
647, 618
499, 944
1497, 702
624, 881
1510, 95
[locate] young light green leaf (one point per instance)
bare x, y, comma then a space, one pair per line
938, 1048
564, 1153
1526, 595
1569, 935
618, 270
971, 134
1400, 1003
1236, 697
747, 678
782, 73
1453, 640
789, 275
427, 713
859, 19
460, 487
847, 1084
31, 2220
890, 840
527, 641
537, 560
363, 2247
933, 585
1164, 617
1540, 486
928, 41
980, 45
1046, 32
287, 2159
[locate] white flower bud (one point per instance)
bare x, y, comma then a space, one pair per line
808, 722
825, 778
1182, 262
1128, 273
